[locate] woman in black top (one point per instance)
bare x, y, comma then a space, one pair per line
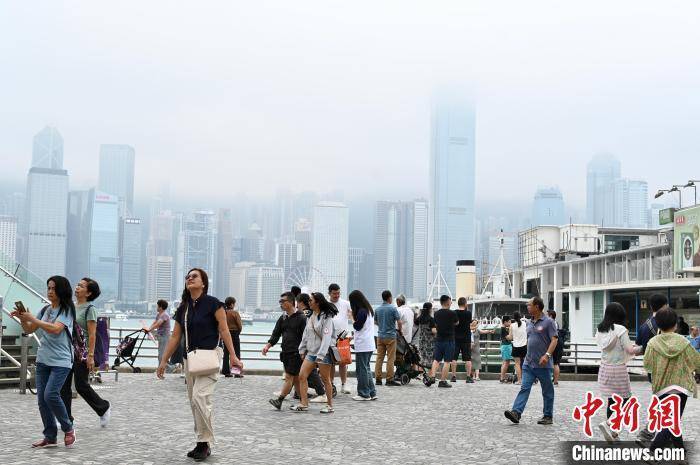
205, 318
426, 334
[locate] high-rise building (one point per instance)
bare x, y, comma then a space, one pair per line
627, 204
264, 285
47, 150
159, 278
356, 258
452, 184
104, 244
131, 280
329, 256
288, 255
8, 237
197, 246
117, 175
400, 247
602, 170
548, 207
93, 242
224, 250
46, 221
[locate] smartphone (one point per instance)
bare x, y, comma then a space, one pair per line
20, 306
235, 370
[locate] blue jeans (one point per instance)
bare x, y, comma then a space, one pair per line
49, 381
363, 373
545, 377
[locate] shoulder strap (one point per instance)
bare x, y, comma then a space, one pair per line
651, 327
187, 341
42, 311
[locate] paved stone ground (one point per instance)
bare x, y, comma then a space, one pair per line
152, 423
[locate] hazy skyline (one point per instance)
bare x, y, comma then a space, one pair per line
230, 98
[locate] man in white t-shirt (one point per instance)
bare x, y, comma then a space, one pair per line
340, 324
407, 317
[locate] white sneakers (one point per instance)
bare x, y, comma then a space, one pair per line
361, 399
319, 399
609, 435
104, 419
344, 390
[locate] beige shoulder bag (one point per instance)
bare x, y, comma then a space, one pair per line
201, 362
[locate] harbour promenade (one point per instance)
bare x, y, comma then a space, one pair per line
152, 424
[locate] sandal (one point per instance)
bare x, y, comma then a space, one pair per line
327, 409
299, 408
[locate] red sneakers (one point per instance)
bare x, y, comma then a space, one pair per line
44, 443
69, 439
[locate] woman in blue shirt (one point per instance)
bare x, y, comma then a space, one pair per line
54, 358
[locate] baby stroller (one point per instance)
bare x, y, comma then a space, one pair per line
128, 349
407, 361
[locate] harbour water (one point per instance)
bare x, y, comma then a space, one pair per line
253, 338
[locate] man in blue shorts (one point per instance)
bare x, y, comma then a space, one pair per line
445, 322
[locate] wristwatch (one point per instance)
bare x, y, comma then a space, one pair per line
548, 355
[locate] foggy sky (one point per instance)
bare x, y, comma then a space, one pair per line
223, 97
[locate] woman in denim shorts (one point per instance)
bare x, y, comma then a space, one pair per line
314, 349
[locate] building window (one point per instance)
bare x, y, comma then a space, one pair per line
598, 309
577, 303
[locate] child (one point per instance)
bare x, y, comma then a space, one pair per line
671, 361
506, 347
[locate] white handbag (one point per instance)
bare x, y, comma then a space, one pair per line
202, 362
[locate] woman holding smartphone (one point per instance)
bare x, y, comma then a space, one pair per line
54, 359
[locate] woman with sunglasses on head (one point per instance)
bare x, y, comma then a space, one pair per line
314, 349
202, 319
54, 358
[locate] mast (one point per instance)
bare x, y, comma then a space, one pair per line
501, 284
438, 283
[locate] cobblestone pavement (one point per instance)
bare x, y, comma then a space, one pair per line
152, 424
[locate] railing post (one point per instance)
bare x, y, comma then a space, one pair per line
24, 355
575, 358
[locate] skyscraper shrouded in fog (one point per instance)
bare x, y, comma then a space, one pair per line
452, 183
131, 263
548, 207
330, 246
47, 149
400, 248
8, 237
46, 221
93, 245
116, 175
197, 246
603, 169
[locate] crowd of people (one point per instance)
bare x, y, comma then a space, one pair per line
314, 331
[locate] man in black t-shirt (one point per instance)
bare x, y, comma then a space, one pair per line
445, 322
463, 340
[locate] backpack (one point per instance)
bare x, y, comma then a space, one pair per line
77, 339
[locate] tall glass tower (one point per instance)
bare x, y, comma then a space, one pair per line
452, 166
548, 207
117, 175
47, 149
603, 170
329, 249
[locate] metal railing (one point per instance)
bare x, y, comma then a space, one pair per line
575, 355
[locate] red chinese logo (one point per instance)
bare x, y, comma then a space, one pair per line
624, 414
586, 411
665, 414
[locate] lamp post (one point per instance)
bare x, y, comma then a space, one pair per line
677, 188
692, 184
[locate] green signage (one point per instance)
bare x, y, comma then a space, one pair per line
666, 216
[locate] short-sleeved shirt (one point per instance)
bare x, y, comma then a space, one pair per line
84, 313
340, 321
445, 321
203, 330
386, 316
164, 328
504, 339
462, 331
539, 336
56, 350
407, 317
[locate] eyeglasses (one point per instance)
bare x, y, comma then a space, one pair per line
191, 276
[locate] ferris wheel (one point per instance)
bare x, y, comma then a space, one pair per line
306, 277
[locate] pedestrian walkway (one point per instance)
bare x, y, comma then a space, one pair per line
152, 424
